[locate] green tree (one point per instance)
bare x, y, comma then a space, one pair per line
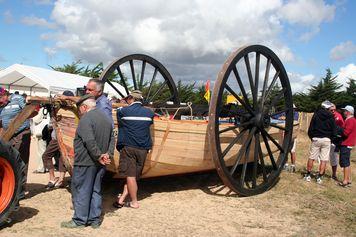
348, 97
327, 89
73, 68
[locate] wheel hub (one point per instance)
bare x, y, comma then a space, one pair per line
262, 120
266, 121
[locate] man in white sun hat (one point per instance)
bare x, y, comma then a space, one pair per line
349, 141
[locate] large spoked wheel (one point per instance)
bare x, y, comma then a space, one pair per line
142, 72
251, 120
12, 180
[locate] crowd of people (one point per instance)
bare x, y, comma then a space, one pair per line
332, 138
94, 145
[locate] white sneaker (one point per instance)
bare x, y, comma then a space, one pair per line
319, 180
307, 178
286, 167
292, 169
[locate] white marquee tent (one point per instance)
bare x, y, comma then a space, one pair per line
38, 81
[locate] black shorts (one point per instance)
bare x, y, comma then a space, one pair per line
132, 161
345, 154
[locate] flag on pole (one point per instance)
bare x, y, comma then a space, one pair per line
207, 91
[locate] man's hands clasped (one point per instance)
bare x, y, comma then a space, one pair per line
104, 159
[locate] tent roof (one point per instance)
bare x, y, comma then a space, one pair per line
36, 78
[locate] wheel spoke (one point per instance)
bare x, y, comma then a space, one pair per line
277, 126
244, 166
133, 74
270, 154
255, 160
236, 139
241, 151
262, 162
243, 91
273, 140
257, 74
123, 80
249, 73
117, 90
265, 83
228, 129
151, 83
276, 75
276, 99
142, 74
239, 99
159, 89
247, 123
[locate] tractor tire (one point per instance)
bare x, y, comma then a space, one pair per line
12, 181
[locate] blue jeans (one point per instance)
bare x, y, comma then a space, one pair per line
86, 194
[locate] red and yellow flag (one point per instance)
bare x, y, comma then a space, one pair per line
207, 91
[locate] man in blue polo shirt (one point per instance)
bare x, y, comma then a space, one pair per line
134, 142
95, 87
21, 140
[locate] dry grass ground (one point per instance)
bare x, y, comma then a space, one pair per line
194, 205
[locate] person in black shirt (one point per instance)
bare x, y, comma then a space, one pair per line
321, 130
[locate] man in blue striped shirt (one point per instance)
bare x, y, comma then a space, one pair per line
21, 140
134, 142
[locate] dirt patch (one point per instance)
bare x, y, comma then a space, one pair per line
199, 205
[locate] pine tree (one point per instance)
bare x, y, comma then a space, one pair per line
327, 89
348, 97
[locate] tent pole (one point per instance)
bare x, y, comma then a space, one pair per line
32, 87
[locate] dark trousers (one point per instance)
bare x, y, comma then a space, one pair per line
51, 151
21, 142
86, 194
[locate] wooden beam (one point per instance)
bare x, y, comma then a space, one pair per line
18, 121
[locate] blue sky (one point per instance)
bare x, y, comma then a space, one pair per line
45, 32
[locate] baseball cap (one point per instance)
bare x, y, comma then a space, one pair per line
84, 98
326, 104
68, 93
349, 108
136, 94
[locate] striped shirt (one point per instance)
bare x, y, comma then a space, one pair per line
13, 108
134, 123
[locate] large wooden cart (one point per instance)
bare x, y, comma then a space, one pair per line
244, 139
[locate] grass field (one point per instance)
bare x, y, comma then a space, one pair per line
197, 205
327, 208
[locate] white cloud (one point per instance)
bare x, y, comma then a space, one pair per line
306, 12
8, 17
345, 73
301, 83
183, 33
36, 21
309, 14
343, 50
305, 37
50, 51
